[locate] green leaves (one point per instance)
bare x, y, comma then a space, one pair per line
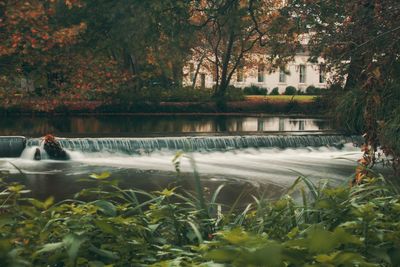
70, 243
343, 259
106, 207
106, 227
167, 192
50, 247
235, 236
322, 241
42, 205
242, 248
104, 253
340, 227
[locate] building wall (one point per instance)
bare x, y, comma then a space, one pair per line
271, 79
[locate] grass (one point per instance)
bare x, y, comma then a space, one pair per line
110, 226
281, 99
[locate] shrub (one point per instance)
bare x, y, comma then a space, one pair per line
336, 87
290, 90
255, 90
186, 94
312, 90
156, 94
234, 94
300, 92
275, 91
349, 112
333, 226
389, 133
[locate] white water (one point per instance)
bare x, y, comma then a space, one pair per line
198, 143
265, 165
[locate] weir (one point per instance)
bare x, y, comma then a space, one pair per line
12, 146
199, 143
147, 161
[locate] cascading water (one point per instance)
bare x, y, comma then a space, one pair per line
191, 144
273, 160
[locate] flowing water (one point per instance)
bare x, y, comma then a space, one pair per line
257, 162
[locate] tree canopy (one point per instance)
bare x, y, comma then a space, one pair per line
360, 41
86, 49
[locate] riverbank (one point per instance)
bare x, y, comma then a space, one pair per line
251, 104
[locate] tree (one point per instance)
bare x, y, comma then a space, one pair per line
32, 39
150, 39
229, 30
82, 46
360, 41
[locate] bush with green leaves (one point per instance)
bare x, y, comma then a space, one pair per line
290, 90
275, 91
312, 90
234, 93
255, 90
312, 225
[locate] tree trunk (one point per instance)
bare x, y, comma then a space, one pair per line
354, 74
197, 71
177, 74
221, 89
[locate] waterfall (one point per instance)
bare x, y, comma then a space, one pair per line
199, 143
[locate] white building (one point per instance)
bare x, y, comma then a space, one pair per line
299, 73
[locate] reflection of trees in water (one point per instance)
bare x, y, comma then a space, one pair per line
260, 125
323, 124
36, 126
60, 124
220, 124
119, 125
305, 125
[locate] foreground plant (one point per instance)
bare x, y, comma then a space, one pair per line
108, 225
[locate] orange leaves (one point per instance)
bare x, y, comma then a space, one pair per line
361, 170
15, 39
377, 73
364, 164
151, 58
6, 50
92, 77
28, 31
33, 42
45, 36
18, 12
361, 173
34, 14
71, 3
67, 36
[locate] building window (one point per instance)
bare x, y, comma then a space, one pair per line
261, 71
192, 74
322, 73
302, 74
282, 75
239, 74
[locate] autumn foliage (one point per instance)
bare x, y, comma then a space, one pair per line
27, 29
